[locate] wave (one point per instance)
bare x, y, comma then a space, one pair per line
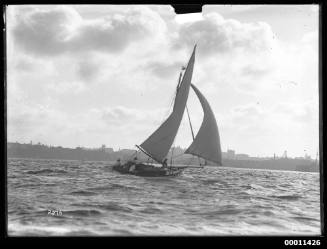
112, 186
106, 187
287, 197
152, 210
123, 232
83, 193
64, 164
31, 185
110, 206
46, 171
82, 212
268, 213
224, 201
81, 233
18, 229
222, 212
213, 181
301, 218
114, 207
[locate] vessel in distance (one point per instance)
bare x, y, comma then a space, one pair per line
205, 145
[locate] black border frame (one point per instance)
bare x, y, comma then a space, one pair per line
228, 241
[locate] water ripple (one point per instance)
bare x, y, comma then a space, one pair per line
95, 201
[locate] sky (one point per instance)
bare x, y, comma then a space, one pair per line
103, 74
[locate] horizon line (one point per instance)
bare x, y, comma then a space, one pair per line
251, 156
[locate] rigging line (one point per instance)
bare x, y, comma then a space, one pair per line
165, 137
134, 154
154, 143
171, 133
176, 92
159, 141
189, 120
171, 103
172, 100
168, 111
172, 153
148, 154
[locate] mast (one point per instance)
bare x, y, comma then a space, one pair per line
188, 114
189, 120
177, 88
187, 111
158, 144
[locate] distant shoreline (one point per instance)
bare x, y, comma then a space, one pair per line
316, 170
40, 151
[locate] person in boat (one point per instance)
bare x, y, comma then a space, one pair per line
133, 165
132, 168
164, 163
118, 162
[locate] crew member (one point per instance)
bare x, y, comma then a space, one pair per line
164, 163
133, 166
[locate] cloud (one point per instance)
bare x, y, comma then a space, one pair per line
54, 31
247, 114
120, 115
64, 87
87, 70
283, 125
24, 65
164, 69
28, 121
292, 111
111, 71
215, 35
302, 113
44, 31
253, 71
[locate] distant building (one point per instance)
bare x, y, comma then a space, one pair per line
177, 150
307, 157
230, 154
109, 150
242, 156
126, 151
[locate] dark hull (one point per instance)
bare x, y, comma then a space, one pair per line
147, 170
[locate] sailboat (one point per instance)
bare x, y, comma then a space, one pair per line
205, 145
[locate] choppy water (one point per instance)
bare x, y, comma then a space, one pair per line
94, 200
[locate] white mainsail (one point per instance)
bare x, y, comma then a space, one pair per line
206, 143
158, 144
